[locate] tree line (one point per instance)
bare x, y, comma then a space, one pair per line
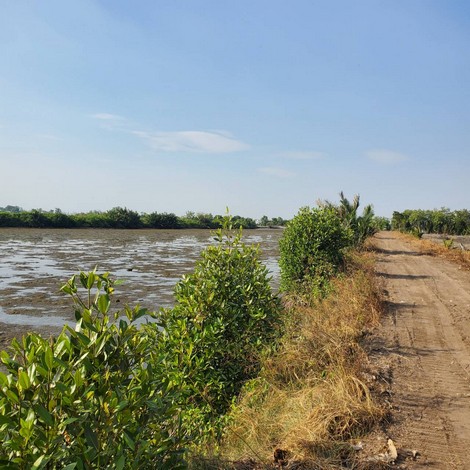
123, 218
432, 221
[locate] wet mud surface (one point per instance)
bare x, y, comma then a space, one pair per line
35, 263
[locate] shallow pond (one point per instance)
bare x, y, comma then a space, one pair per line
34, 263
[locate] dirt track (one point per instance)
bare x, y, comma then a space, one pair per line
425, 339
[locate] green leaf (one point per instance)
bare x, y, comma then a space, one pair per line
91, 437
44, 414
39, 463
83, 280
12, 396
90, 280
140, 313
68, 421
121, 462
129, 441
103, 303
3, 379
23, 380
5, 358
48, 358
30, 418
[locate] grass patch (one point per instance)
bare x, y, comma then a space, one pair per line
309, 400
429, 247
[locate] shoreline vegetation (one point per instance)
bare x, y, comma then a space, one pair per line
233, 376
123, 218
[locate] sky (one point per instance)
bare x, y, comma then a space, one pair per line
261, 106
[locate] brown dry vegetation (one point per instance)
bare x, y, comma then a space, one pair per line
432, 248
310, 400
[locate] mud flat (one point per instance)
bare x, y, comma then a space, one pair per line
34, 263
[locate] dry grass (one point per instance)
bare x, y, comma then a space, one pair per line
432, 248
309, 399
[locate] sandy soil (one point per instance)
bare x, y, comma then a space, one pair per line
424, 345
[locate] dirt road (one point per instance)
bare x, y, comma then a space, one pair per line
425, 339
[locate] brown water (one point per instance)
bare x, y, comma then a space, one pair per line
34, 263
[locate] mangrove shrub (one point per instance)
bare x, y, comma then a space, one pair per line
311, 248
224, 316
89, 399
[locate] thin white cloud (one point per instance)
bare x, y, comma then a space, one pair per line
107, 117
386, 156
192, 141
110, 121
276, 172
303, 155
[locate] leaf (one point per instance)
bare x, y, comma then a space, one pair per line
91, 437
3, 379
23, 380
5, 357
48, 358
12, 396
103, 303
70, 466
83, 280
68, 421
121, 462
39, 463
44, 414
129, 441
90, 280
140, 313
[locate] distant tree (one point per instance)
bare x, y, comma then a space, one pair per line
162, 220
11, 209
264, 221
120, 217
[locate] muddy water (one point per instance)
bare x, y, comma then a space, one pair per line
34, 263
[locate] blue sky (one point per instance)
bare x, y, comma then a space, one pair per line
263, 106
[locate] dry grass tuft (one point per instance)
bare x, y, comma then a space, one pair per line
309, 399
429, 247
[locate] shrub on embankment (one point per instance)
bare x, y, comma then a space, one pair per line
312, 248
225, 315
310, 400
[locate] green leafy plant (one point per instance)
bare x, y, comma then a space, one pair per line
89, 399
225, 315
311, 249
448, 243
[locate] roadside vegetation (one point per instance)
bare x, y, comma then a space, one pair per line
230, 376
123, 218
442, 221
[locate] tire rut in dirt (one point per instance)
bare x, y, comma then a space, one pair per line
429, 351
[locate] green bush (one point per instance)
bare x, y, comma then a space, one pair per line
224, 317
89, 399
311, 249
